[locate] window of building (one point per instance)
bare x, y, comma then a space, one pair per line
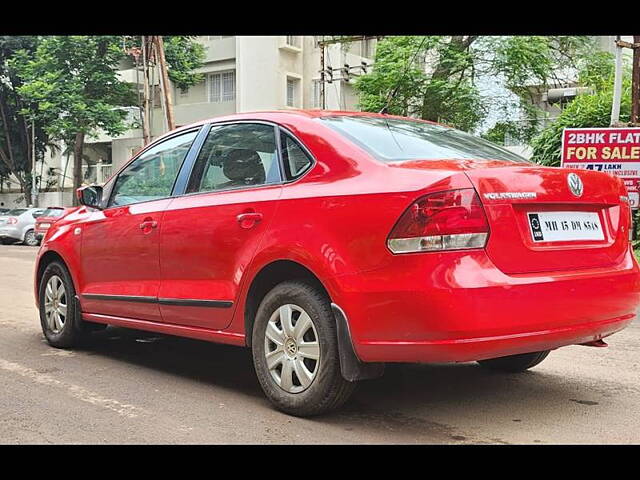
221, 87
316, 93
293, 87
293, 41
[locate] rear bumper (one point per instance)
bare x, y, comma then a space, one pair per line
8, 232
480, 348
458, 306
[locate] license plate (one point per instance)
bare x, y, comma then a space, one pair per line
565, 226
44, 225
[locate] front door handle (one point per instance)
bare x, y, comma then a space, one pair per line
248, 220
148, 224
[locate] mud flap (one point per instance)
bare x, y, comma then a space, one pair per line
350, 365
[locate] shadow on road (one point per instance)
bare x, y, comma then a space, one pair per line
407, 398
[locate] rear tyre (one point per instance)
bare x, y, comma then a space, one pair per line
60, 319
295, 351
514, 363
30, 239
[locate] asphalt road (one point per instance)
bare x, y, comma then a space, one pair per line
136, 387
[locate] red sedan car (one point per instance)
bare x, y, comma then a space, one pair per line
48, 218
331, 243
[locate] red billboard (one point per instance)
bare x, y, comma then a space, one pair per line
611, 150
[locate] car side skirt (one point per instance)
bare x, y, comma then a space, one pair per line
217, 336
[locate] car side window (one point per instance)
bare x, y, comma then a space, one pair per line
295, 159
236, 156
152, 175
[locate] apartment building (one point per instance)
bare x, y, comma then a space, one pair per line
241, 74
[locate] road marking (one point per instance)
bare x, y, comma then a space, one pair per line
58, 353
126, 410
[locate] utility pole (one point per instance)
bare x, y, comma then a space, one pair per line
635, 82
323, 71
145, 93
164, 82
617, 85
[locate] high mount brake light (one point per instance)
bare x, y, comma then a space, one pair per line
449, 220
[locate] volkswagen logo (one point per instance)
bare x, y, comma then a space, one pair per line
575, 184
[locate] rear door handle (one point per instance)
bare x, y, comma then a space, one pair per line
248, 220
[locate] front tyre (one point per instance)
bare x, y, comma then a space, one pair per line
295, 351
514, 363
60, 320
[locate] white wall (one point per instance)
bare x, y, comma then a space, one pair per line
45, 199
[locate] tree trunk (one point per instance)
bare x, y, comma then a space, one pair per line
78, 148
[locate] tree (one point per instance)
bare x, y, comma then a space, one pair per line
15, 127
72, 88
436, 77
184, 55
586, 110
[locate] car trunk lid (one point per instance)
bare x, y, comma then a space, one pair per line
538, 224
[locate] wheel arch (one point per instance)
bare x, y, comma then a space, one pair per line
45, 260
268, 277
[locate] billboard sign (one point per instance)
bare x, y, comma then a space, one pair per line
611, 150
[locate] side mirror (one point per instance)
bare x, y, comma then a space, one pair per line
90, 196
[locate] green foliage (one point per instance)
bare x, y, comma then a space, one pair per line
183, 55
15, 128
585, 111
446, 90
72, 86
400, 85
394, 73
514, 130
598, 71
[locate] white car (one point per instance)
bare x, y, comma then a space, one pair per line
18, 225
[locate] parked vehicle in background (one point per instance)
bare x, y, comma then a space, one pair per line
331, 243
18, 225
50, 216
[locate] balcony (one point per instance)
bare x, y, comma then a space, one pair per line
97, 173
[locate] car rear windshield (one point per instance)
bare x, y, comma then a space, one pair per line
393, 140
16, 211
53, 212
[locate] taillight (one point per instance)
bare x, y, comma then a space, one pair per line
12, 221
450, 220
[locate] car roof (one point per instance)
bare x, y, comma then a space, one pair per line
275, 115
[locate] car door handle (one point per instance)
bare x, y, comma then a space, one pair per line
148, 224
248, 220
